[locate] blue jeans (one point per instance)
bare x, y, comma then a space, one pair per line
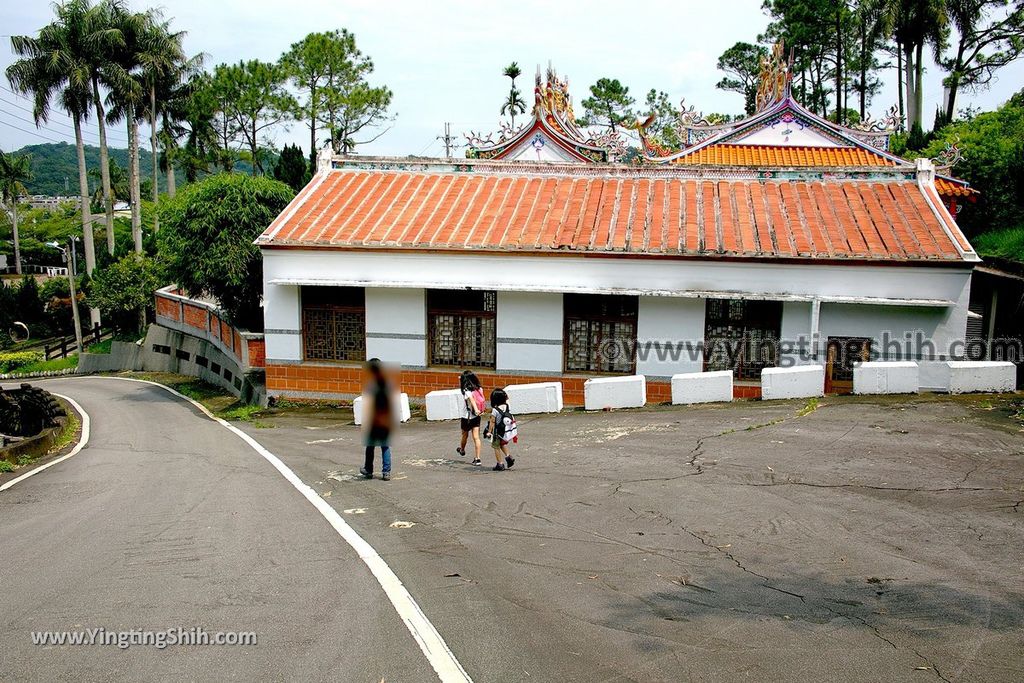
385, 459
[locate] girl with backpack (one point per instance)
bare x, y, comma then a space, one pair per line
473, 408
502, 429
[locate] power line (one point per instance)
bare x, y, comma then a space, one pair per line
31, 132
47, 123
85, 130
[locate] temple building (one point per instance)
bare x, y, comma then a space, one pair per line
541, 257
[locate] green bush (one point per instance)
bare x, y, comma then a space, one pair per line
124, 288
206, 240
9, 362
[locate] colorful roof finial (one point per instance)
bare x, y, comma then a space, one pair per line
552, 133
774, 81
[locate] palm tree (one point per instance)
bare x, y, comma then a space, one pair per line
126, 101
514, 103
14, 172
164, 66
103, 40
54, 66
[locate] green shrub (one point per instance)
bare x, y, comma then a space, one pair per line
5, 466
9, 362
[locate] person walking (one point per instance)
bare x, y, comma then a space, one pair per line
380, 417
473, 408
502, 429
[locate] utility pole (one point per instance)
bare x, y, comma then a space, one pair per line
71, 286
449, 140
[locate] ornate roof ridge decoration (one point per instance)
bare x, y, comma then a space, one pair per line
950, 156
775, 78
666, 171
553, 118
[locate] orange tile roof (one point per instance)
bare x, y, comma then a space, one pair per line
455, 211
770, 155
952, 188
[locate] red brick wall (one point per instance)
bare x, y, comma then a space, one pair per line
349, 379
257, 353
168, 308
195, 316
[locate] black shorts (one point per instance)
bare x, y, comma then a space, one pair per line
470, 423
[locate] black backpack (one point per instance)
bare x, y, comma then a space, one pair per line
505, 427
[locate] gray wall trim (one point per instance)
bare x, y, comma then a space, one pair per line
528, 340
280, 331
395, 335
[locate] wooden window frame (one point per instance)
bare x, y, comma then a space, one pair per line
594, 364
748, 323
487, 320
356, 356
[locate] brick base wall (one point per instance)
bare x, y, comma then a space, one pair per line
306, 380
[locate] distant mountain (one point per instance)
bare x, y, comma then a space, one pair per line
52, 163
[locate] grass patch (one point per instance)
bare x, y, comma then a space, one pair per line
70, 431
1007, 244
50, 365
812, 405
103, 347
218, 401
46, 366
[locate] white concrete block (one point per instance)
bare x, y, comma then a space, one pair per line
801, 381
966, 376
357, 408
702, 387
445, 404
877, 377
615, 392
539, 397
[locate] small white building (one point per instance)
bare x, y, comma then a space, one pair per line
829, 250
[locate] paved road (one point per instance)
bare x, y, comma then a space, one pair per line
867, 540
168, 520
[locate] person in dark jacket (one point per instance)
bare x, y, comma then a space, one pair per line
380, 417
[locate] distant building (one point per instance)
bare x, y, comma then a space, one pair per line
538, 258
39, 201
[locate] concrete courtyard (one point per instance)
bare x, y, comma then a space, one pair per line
848, 540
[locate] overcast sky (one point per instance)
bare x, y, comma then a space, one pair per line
443, 58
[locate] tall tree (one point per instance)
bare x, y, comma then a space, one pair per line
350, 105
984, 45
308, 65
742, 63
103, 40
14, 172
609, 104
513, 103
55, 66
869, 25
663, 129
291, 168
255, 99
162, 64
913, 24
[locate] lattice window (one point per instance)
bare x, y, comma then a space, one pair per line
742, 336
462, 328
334, 323
843, 354
600, 333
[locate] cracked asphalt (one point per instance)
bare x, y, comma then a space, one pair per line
865, 540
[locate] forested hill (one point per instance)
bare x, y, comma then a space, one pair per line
53, 162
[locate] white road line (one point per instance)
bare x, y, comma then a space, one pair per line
74, 451
430, 641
